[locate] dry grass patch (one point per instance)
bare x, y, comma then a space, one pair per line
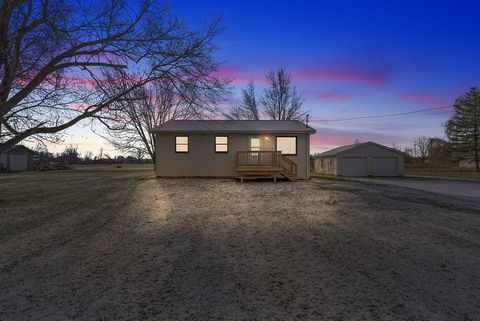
121, 244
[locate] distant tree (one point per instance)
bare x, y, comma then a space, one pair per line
130, 160
357, 141
42, 150
88, 157
248, 108
281, 100
439, 152
463, 129
71, 155
139, 155
421, 144
410, 151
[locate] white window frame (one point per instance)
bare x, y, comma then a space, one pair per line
276, 144
182, 144
259, 144
221, 144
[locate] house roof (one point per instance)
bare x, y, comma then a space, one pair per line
233, 126
342, 149
20, 149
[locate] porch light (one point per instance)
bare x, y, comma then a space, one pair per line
266, 137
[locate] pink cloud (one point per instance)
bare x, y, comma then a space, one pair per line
345, 73
425, 99
327, 138
338, 74
239, 76
333, 95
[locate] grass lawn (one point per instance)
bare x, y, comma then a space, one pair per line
120, 244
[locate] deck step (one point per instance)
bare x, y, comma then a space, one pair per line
288, 176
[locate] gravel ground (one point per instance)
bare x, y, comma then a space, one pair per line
451, 187
124, 245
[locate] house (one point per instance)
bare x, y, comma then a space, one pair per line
17, 158
233, 148
364, 159
467, 164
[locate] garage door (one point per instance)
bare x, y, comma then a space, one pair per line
385, 166
354, 166
18, 163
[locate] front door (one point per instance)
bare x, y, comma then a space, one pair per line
254, 144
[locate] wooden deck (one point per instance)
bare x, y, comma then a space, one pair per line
259, 164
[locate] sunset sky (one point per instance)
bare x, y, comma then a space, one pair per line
349, 59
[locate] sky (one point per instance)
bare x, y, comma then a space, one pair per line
348, 59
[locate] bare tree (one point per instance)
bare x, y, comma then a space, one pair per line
409, 151
88, 157
281, 99
440, 152
59, 58
130, 121
248, 109
71, 155
421, 146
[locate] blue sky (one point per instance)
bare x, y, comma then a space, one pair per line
348, 58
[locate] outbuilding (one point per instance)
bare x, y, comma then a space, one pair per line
16, 159
364, 159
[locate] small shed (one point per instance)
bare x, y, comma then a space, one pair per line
364, 159
467, 164
16, 159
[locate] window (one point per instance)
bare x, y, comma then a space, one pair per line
221, 144
181, 144
287, 145
255, 144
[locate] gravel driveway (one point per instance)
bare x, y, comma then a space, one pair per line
450, 187
81, 245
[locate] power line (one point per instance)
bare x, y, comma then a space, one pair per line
381, 116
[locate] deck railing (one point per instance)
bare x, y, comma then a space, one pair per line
289, 166
267, 158
258, 158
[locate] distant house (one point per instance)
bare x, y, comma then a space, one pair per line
365, 159
467, 164
18, 158
229, 148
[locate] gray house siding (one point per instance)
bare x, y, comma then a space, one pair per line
202, 160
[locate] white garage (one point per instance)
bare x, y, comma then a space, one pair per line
385, 166
364, 159
354, 166
16, 159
